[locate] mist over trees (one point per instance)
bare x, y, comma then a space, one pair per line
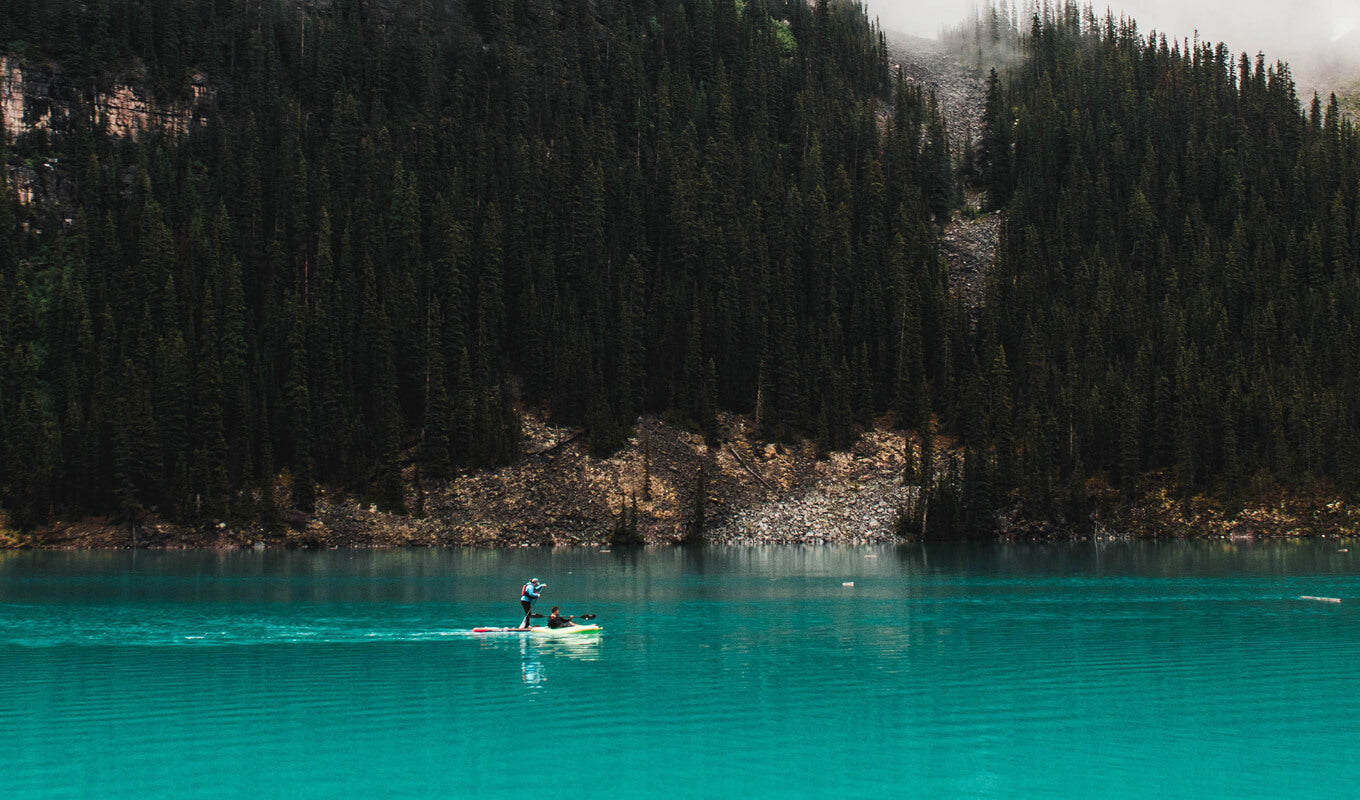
1176, 292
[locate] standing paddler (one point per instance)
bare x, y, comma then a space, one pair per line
528, 595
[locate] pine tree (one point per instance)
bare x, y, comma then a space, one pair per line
436, 431
298, 402
993, 158
208, 461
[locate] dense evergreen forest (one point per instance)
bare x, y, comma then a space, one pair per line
1177, 294
402, 219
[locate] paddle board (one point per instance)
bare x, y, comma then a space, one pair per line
540, 630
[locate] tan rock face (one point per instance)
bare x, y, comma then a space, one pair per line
26, 104
125, 113
11, 96
128, 112
41, 99
30, 99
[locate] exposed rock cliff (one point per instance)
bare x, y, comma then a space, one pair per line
37, 100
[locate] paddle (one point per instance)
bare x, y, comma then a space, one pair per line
576, 616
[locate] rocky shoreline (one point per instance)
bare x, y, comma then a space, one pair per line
556, 494
754, 493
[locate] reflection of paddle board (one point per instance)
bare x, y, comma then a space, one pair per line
538, 630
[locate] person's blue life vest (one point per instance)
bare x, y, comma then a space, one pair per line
531, 592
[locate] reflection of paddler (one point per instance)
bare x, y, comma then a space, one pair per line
530, 668
528, 595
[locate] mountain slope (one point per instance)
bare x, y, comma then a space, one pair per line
400, 224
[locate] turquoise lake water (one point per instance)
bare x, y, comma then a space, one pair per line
1186, 669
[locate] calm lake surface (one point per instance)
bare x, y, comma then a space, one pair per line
1117, 670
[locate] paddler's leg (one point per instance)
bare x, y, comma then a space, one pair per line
528, 607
